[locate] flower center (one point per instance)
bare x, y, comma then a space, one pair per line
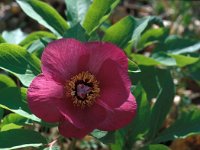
83, 89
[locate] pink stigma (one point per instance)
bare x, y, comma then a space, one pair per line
83, 90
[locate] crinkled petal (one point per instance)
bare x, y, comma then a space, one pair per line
64, 58
119, 117
101, 51
114, 84
44, 97
83, 118
69, 130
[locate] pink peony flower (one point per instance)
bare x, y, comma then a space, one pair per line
83, 86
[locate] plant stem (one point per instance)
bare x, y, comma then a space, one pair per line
72, 145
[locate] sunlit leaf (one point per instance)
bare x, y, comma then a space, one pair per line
18, 61
12, 121
45, 15
144, 60
152, 36
182, 60
6, 81
98, 12
129, 29
36, 36
2, 40
121, 32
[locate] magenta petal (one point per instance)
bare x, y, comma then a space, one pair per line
44, 96
64, 58
50, 98
84, 118
119, 117
101, 51
69, 130
114, 84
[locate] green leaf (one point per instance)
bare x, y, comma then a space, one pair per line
12, 121
187, 124
98, 133
148, 79
13, 37
6, 81
194, 71
119, 142
2, 40
183, 61
178, 45
132, 66
76, 10
142, 25
152, 36
137, 129
10, 126
164, 59
129, 29
141, 120
98, 12
35, 46
20, 138
94, 37
45, 15
160, 59
77, 32
18, 61
189, 49
144, 60
163, 102
156, 147
1, 113
24, 95
11, 98
35, 36
14, 99
45, 41
121, 32
108, 138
